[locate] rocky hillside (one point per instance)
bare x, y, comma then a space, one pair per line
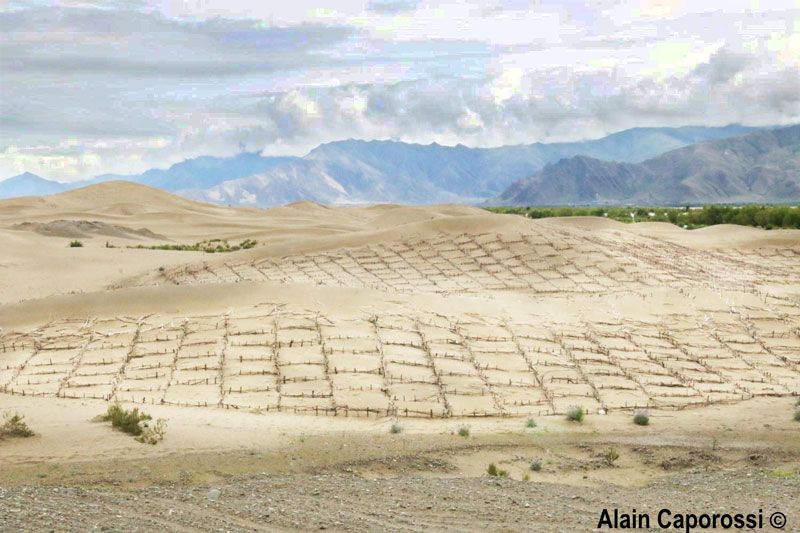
762, 166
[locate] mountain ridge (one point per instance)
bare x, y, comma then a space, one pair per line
357, 172
763, 166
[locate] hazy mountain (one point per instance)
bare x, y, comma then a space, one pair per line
28, 184
353, 172
385, 171
763, 166
201, 172
285, 184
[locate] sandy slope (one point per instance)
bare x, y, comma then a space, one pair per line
360, 315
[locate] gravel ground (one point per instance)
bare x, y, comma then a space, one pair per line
347, 502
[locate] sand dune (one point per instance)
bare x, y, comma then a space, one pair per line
371, 314
516, 359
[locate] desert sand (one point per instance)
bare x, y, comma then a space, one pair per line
281, 368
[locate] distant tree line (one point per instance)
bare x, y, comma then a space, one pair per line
764, 216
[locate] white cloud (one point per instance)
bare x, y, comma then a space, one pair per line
139, 83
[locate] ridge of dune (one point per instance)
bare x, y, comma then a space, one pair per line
111, 199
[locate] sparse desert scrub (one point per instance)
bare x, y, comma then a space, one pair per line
610, 456
211, 246
496, 472
396, 428
136, 423
797, 415
641, 418
15, 426
463, 430
530, 422
75, 244
152, 433
575, 414
536, 465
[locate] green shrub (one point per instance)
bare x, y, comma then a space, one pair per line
396, 428
641, 419
463, 430
125, 420
136, 423
797, 415
575, 414
536, 465
14, 426
530, 422
496, 472
610, 456
76, 244
766, 216
212, 246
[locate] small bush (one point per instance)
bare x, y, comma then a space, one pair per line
496, 472
641, 418
125, 420
463, 430
536, 465
530, 422
76, 244
797, 403
14, 426
575, 414
610, 456
396, 428
151, 434
797, 415
138, 424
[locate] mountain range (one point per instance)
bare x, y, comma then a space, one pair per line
364, 172
355, 172
760, 167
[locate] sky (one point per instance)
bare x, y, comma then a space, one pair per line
119, 86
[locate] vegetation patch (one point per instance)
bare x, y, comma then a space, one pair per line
75, 244
463, 430
15, 426
641, 418
765, 216
536, 465
610, 456
530, 422
212, 246
496, 472
575, 414
136, 423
